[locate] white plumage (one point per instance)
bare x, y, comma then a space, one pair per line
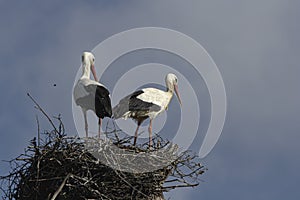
147, 103
90, 94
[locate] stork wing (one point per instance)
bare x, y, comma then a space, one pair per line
133, 104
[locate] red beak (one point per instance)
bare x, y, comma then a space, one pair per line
177, 94
94, 72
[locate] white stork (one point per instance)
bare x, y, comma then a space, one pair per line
147, 103
90, 94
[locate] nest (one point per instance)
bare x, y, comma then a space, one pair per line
56, 166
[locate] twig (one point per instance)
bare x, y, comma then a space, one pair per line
60, 187
44, 113
38, 130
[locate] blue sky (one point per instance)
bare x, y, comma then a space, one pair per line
254, 43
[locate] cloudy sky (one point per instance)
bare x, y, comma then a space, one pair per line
255, 44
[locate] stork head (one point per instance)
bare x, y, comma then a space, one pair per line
88, 61
172, 85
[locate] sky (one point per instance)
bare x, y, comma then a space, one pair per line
255, 45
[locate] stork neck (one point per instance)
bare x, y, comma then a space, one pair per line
169, 94
170, 88
86, 70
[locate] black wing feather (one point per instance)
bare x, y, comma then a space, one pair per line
98, 100
102, 102
136, 106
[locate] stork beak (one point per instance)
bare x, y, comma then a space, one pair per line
177, 94
94, 72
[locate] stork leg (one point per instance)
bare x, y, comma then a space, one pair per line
99, 127
150, 133
136, 133
85, 124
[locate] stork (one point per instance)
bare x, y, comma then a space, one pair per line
90, 94
147, 103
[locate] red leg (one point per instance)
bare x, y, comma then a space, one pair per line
150, 133
85, 124
136, 133
99, 127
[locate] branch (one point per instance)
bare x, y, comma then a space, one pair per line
44, 113
60, 187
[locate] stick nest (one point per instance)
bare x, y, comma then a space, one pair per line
56, 166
